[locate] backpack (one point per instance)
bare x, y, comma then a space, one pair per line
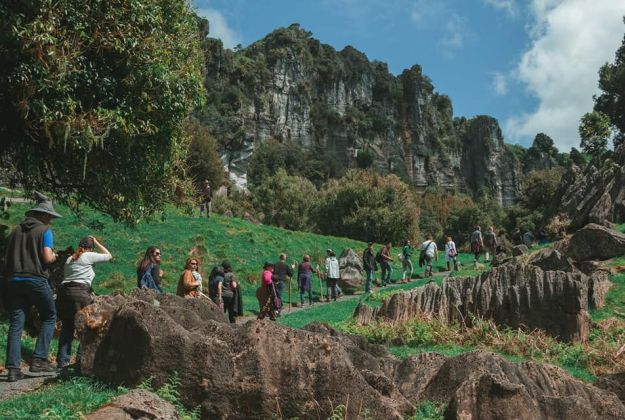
147, 281
378, 257
423, 253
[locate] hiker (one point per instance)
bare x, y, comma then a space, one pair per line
30, 249
451, 254
266, 294
281, 271
190, 282
406, 261
304, 279
528, 238
75, 292
502, 242
385, 259
332, 274
369, 265
207, 197
215, 285
490, 244
149, 273
477, 243
430, 253
229, 292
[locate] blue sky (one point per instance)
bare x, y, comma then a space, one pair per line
532, 64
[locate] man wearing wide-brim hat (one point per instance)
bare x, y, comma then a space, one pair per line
29, 252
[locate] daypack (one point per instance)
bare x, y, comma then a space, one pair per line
147, 281
423, 253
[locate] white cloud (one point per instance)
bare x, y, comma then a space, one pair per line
510, 7
455, 32
434, 15
499, 83
219, 28
570, 40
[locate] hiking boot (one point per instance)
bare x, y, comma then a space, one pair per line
41, 365
15, 374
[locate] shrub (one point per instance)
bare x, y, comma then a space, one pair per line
203, 161
557, 226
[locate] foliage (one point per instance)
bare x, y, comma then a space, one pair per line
577, 157
557, 226
428, 410
462, 222
285, 200
594, 130
92, 96
436, 209
367, 206
203, 161
364, 159
271, 156
539, 188
542, 148
169, 392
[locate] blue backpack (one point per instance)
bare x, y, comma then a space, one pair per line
147, 281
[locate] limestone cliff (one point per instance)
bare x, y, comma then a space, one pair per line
290, 87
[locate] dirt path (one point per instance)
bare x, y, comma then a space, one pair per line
30, 383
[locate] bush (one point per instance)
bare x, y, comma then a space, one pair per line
539, 188
557, 226
462, 222
203, 160
367, 206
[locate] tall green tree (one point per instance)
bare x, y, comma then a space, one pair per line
203, 160
594, 130
93, 94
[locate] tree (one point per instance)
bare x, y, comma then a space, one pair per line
539, 188
364, 159
93, 95
577, 157
203, 161
271, 156
594, 129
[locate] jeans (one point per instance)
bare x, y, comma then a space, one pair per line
65, 343
229, 307
428, 265
279, 290
387, 270
407, 265
332, 288
302, 291
370, 275
22, 295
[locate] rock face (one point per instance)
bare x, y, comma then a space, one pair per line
137, 404
350, 270
595, 242
513, 295
261, 369
550, 259
593, 195
334, 103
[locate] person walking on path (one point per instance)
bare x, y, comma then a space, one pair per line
332, 274
149, 273
451, 254
75, 292
385, 263
430, 254
304, 279
266, 294
188, 284
30, 249
369, 265
477, 243
207, 198
490, 244
281, 271
406, 262
228, 289
215, 285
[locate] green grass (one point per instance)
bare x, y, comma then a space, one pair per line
71, 399
332, 314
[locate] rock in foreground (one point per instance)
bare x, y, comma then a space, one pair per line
137, 404
261, 368
351, 270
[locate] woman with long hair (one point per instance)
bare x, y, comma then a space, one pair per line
189, 284
75, 291
149, 273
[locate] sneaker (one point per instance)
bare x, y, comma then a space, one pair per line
15, 374
40, 365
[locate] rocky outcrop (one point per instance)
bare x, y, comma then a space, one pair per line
350, 270
593, 195
292, 88
137, 404
595, 242
514, 295
550, 259
261, 369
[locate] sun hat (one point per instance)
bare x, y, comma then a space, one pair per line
44, 205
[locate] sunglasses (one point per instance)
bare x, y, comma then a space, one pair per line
157, 253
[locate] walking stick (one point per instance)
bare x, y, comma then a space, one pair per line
320, 284
290, 293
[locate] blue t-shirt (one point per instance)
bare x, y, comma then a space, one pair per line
48, 242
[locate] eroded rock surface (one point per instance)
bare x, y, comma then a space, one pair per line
513, 295
137, 404
351, 270
262, 368
595, 242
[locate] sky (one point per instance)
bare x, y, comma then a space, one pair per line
532, 64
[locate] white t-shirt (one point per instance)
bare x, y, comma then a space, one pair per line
332, 268
430, 248
81, 270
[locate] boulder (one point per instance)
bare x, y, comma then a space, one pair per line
515, 295
550, 259
137, 404
596, 242
598, 285
518, 250
614, 382
261, 368
350, 270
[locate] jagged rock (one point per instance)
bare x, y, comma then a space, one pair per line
137, 404
595, 242
350, 270
261, 368
614, 383
511, 295
593, 195
250, 218
550, 259
519, 250
598, 285
502, 259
